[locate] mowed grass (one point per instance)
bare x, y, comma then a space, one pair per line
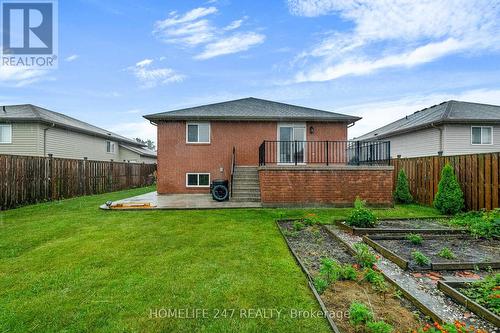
68, 266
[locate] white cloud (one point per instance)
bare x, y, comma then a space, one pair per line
138, 129
72, 57
150, 77
395, 34
20, 76
233, 44
380, 113
195, 29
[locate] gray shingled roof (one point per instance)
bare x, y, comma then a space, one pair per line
251, 109
446, 112
139, 150
33, 113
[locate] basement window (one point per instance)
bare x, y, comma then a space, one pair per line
482, 135
5, 133
198, 132
197, 179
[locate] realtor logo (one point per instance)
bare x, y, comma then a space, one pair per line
29, 33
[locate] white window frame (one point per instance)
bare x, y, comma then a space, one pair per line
198, 176
481, 144
198, 124
112, 147
10, 137
294, 126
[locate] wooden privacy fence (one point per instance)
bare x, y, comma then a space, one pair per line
26, 179
477, 174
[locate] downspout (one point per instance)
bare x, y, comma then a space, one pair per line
440, 129
45, 138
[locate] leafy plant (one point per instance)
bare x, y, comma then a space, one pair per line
364, 256
484, 224
402, 193
378, 327
485, 292
359, 314
320, 284
331, 271
449, 198
361, 216
377, 280
415, 239
290, 234
446, 253
311, 219
298, 226
420, 258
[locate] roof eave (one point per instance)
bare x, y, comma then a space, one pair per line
349, 120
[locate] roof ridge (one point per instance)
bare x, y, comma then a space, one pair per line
447, 112
35, 111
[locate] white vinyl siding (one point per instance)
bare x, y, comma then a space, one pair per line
64, 143
457, 140
129, 156
5, 133
197, 132
416, 144
197, 179
26, 139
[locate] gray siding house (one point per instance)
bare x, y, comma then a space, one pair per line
450, 128
33, 131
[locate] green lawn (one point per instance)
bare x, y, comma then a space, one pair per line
68, 266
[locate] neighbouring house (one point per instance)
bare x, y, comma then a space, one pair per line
276, 153
34, 131
450, 128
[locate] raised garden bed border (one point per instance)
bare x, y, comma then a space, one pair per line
435, 266
422, 307
370, 231
332, 324
449, 289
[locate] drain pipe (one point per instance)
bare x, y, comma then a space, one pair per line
45, 138
440, 129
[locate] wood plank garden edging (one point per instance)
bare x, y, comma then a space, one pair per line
449, 289
332, 324
401, 262
370, 231
422, 307
444, 266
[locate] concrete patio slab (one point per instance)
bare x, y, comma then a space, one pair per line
153, 200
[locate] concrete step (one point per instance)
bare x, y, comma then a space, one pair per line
247, 179
245, 199
246, 187
246, 194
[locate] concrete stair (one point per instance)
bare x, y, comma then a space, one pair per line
246, 184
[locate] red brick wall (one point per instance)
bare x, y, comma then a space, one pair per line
326, 186
176, 157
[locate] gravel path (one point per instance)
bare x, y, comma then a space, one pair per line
424, 288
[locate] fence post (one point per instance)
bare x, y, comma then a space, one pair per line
84, 176
51, 177
110, 176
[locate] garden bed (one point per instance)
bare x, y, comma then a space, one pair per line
455, 291
463, 252
423, 226
313, 243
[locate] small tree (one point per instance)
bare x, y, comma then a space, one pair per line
449, 198
402, 193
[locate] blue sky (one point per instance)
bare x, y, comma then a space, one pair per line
119, 60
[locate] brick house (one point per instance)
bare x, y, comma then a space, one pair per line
272, 152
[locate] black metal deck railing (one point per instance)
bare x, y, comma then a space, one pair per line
325, 152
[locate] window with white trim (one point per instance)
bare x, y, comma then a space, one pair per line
5, 133
197, 179
481, 135
110, 147
198, 132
